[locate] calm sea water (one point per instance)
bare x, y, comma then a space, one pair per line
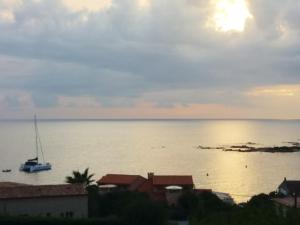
159, 146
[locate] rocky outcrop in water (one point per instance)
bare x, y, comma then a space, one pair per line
249, 147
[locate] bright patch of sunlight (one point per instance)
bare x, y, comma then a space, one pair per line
276, 91
143, 4
230, 15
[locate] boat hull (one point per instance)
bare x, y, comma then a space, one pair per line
35, 168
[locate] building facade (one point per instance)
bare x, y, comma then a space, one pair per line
44, 200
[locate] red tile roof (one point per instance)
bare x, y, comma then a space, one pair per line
141, 184
40, 191
119, 179
10, 184
172, 180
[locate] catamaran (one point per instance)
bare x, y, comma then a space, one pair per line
33, 165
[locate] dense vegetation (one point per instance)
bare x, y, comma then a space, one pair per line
260, 210
199, 206
199, 209
131, 208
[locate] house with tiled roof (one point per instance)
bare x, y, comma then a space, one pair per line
289, 187
63, 200
288, 193
159, 187
169, 187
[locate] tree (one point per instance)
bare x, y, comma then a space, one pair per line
80, 178
143, 211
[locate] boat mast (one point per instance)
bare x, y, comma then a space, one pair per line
36, 138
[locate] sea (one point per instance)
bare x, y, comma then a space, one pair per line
165, 147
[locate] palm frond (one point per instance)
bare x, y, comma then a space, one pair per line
81, 178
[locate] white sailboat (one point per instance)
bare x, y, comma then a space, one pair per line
33, 165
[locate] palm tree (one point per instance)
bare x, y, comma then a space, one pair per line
80, 178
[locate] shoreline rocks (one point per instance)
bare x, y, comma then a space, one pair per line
294, 147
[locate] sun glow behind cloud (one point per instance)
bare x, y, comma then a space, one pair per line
230, 15
7, 8
143, 4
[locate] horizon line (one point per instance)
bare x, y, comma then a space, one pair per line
140, 119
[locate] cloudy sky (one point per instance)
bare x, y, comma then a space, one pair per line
150, 58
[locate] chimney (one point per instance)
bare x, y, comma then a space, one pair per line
150, 176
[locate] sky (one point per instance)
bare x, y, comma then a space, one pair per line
150, 59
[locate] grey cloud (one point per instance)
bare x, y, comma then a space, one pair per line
125, 53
